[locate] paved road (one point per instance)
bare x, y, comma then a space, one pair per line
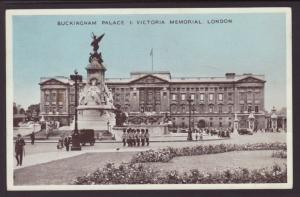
44, 151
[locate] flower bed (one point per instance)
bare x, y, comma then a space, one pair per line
166, 154
280, 154
139, 174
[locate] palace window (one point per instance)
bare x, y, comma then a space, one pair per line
210, 124
173, 108
249, 109
249, 96
142, 95
183, 109
192, 96
127, 97
157, 95
201, 108
241, 108
229, 109
229, 96
53, 96
220, 124
164, 94
182, 97
256, 109
47, 97
220, 97
201, 97
61, 96
220, 109
174, 97
211, 97
211, 108
150, 96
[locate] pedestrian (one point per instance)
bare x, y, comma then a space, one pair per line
197, 135
137, 137
124, 137
67, 143
19, 149
32, 137
60, 143
128, 137
147, 136
143, 137
133, 137
201, 136
227, 133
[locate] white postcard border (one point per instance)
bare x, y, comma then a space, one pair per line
9, 96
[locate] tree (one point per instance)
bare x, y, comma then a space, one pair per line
33, 111
22, 111
15, 110
120, 117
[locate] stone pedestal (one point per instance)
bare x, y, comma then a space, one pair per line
96, 109
95, 117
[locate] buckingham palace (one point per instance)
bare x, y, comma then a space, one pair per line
151, 97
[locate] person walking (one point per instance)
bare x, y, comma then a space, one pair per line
133, 137
32, 137
143, 137
197, 135
137, 137
128, 137
67, 143
19, 149
124, 137
60, 143
147, 136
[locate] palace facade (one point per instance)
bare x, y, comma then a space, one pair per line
154, 97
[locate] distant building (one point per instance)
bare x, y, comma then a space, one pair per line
150, 98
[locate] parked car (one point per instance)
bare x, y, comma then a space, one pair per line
245, 132
183, 131
87, 136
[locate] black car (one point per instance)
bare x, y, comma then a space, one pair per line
245, 131
87, 136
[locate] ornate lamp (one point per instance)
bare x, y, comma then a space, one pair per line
75, 136
190, 138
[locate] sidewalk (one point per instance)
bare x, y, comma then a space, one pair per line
45, 157
152, 139
40, 158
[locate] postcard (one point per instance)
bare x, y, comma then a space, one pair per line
135, 99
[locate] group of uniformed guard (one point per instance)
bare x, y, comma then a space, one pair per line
135, 137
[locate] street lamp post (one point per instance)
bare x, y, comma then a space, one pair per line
75, 136
189, 138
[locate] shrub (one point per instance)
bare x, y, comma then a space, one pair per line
166, 154
139, 174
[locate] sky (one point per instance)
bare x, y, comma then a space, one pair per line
252, 43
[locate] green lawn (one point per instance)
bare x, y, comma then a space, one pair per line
222, 161
65, 170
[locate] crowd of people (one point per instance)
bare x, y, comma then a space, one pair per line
135, 137
220, 132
